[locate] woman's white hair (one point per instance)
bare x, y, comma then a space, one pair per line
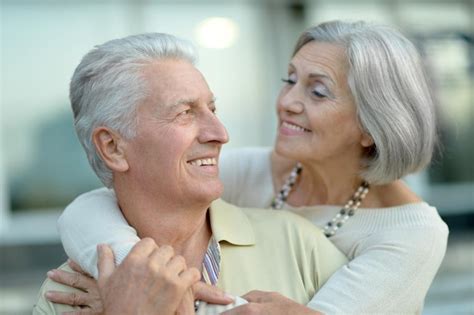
107, 87
394, 104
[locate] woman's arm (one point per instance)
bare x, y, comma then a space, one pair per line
392, 273
94, 218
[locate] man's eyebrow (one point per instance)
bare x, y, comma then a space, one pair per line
185, 101
180, 102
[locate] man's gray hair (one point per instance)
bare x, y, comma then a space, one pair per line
394, 103
107, 87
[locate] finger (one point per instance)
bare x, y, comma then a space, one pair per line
143, 248
187, 304
70, 298
162, 255
75, 266
190, 277
75, 280
255, 296
105, 263
211, 294
176, 265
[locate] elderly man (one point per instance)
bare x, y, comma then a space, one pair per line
146, 119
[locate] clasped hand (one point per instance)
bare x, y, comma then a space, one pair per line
151, 280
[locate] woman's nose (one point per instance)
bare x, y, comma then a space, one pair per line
291, 101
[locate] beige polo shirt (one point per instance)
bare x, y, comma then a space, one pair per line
260, 250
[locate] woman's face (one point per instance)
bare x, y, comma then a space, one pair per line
316, 110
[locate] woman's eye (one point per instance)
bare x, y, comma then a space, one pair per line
320, 91
290, 80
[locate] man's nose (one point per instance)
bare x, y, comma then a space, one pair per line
213, 130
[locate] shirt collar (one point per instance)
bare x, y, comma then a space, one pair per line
229, 223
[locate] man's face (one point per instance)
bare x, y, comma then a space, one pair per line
176, 150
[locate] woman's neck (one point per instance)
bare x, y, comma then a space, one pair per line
332, 182
320, 185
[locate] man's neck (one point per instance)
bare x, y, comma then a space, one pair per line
183, 226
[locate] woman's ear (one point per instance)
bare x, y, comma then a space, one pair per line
110, 147
366, 140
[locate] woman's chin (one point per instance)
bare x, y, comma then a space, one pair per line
287, 150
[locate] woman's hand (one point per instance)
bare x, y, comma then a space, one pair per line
261, 302
88, 299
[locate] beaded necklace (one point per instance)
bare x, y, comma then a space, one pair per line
340, 218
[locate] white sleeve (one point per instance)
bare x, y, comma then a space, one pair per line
95, 218
246, 174
229, 164
392, 274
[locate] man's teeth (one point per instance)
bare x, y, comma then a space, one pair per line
200, 162
294, 127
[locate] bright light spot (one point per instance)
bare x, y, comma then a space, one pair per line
217, 33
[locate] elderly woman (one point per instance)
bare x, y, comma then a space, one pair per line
355, 116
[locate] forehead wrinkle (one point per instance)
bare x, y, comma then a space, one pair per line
186, 101
329, 59
318, 73
180, 102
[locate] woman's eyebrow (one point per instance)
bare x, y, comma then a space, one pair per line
319, 75
315, 74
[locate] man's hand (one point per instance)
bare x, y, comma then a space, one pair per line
261, 302
151, 280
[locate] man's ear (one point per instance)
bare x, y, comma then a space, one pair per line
366, 140
110, 147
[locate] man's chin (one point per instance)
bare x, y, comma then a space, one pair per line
207, 193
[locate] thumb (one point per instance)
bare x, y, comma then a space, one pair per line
105, 263
211, 294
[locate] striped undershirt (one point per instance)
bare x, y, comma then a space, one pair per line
211, 263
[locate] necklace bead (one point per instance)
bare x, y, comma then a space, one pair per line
347, 211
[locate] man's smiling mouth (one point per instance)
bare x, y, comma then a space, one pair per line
204, 162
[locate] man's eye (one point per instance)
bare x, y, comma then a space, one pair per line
185, 112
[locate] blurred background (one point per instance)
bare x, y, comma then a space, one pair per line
244, 49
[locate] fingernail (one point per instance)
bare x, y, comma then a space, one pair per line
50, 273
230, 296
48, 295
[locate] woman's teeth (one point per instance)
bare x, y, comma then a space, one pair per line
293, 127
